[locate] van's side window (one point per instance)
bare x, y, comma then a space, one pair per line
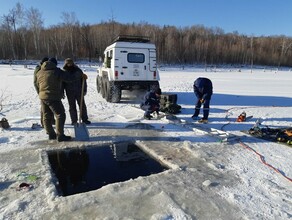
136, 58
109, 58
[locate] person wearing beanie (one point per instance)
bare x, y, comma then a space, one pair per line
53, 60
37, 68
151, 103
49, 80
74, 91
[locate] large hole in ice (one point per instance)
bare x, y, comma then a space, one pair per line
84, 169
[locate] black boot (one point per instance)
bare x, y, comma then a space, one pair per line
148, 117
63, 137
86, 122
52, 136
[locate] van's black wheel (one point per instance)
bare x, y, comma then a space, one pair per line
153, 86
115, 92
107, 91
98, 84
102, 87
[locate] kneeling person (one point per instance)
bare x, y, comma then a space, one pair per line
151, 103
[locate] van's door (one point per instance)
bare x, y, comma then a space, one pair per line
135, 64
152, 60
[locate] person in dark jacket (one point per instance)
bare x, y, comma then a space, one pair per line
49, 80
151, 103
73, 91
203, 90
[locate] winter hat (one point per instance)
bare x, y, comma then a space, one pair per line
68, 61
158, 91
53, 60
44, 60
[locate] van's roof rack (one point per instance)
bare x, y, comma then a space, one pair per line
129, 38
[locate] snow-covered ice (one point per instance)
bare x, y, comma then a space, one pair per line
207, 179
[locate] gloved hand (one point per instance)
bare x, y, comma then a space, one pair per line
202, 101
84, 76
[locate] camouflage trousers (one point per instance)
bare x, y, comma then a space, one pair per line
51, 109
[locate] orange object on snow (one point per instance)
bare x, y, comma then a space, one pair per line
288, 132
241, 117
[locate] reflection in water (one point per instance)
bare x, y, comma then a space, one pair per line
82, 170
70, 168
126, 152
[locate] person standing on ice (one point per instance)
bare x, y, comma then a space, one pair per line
49, 80
38, 68
73, 91
203, 90
151, 103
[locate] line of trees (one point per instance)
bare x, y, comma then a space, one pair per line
23, 36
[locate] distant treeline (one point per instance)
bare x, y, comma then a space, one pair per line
22, 36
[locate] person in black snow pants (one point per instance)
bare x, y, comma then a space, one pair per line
203, 90
73, 91
151, 103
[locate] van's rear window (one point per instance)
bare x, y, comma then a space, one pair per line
136, 58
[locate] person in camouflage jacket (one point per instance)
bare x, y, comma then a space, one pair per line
38, 68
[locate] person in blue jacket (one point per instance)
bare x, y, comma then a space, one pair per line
203, 90
151, 103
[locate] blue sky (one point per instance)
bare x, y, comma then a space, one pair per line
249, 17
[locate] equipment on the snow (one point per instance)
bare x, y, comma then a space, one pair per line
283, 135
171, 108
24, 186
81, 132
36, 126
288, 132
168, 104
241, 117
4, 123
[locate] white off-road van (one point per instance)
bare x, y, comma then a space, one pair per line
129, 63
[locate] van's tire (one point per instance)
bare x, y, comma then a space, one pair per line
98, 84
115, 92
153, 86
107, 90
102, 87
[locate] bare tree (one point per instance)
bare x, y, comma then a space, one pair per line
86, 36
70, 24
23, 35
14, 25
58, 40
8, 24
35, 23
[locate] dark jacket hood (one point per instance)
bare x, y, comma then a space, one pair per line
48, 65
